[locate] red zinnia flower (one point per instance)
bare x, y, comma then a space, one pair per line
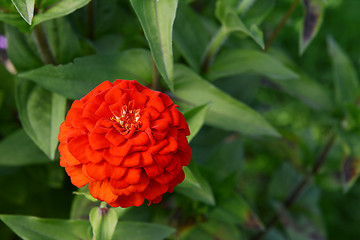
127, 142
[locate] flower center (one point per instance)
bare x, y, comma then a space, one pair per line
127, 118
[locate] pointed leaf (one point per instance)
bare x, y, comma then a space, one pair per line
239, 61
226, 112
236, 210
350, 172
314, 11
230, 20
41, 113
103, 222
345, 78
190, 35
195, 118
77, 79
25, 9
29, 154
47, 229
60, 9
157, 19
195, 186
138, 230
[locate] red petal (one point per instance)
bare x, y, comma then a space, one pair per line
76, 147
136, 199
67, 158
139, 138
111, 159
89, 110
158, 146
157, 103
118, 184
165, 178
160, 125
146, 159
185, 156
163, 160
131, 160
114, 137
166, 99
153, 170
77, 177
154, 190
98, 141
156, 200
113, 96
154, 114
179, 179
94, 171
171, 147
64, 129
121, 83
104, 111
120, 151
184, 125
113, 172
132, 175
175, 115
94, 156
101, 190
96, 90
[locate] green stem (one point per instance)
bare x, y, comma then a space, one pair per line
213, 47
43, 45
281, 24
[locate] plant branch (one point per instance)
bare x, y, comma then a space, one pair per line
281, 24
291, 199
43, 45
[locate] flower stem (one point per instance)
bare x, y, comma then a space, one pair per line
281, 24
213, 47
300, 187
43, 45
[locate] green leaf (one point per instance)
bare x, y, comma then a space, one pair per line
63, 41
157, 19
103, 222
41, 113
22, 50
138, 230
62, 8
240, 61
236, 210
77, 79
15, 20
190, 35
229, 19
226, 112
314, 11
345, 78
29, 154
195, 186
34, 228
25, 9
195, 118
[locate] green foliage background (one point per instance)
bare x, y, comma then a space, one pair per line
274, 125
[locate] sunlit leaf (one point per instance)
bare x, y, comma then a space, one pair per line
77, 79
103, 222
138, 230
157, 19
25, 9
196, 186
226, 112
195, 118
41, 113
60, 9
47, 229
